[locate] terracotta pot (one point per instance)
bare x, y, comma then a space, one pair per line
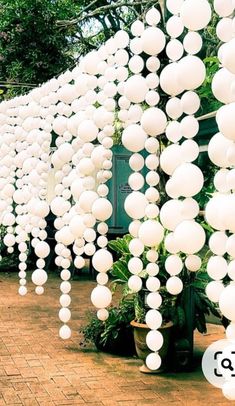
140, 332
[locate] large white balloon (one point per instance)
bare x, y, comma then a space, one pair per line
195, 14
217, 267
154, 121
170, 214
135, 205
190, 236
224, 7
151, 233
101, 297
226, 302
133, 138
153, 40
192, 72
225, 118
102, 260
217, 150
102, 209
135, 89
221, 86
170, 79
189, 179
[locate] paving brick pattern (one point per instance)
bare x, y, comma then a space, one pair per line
38, 368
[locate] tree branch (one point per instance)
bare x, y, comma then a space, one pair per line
99, 10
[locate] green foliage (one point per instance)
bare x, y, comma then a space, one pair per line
208, 101
173, 307
119, 319
32, 48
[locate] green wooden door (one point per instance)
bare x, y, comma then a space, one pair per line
119, 190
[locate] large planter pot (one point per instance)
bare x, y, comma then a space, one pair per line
140, 332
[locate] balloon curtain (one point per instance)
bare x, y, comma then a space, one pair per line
118, 88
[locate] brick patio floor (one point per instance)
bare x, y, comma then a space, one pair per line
38, 368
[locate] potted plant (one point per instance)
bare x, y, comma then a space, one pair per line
115, 335
181, 313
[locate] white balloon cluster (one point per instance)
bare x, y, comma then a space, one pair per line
186, 179
141, 130
25, 147
220, 209
79, 108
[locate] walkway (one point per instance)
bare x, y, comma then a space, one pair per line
37, 368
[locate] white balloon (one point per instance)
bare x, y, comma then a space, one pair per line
39, 277
174, 285
214, 290
217, 267
224, 29
153, 40
135, 283
154, 340
135, 205
174, 26
153, 284
174, 50
136, 247
190, 102
154, 300
102, 209
101, 297
226, 302
223, 7
102, 314
169, 79
134, 137
192, 42
135, 89
192, 72
174, 6
153, 319
65, 332
217, 150
153, 361
135, 265
174, 108
102, 260
173, 131
136, 181
136, 162
170, 214
151, 233
190, 236
171, 244
193, 263
190, 179
170, 158
195, 15
173, 265
220, 181
42, 249
87, 130
153, 16
230, 245
64, 314
225, 119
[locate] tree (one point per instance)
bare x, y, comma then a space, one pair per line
32, 48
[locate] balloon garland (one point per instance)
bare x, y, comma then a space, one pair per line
79, 108
220, 209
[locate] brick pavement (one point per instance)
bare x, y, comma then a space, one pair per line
37, 368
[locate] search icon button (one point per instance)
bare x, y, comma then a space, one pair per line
226, 363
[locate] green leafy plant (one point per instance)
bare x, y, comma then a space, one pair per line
173, 307
115, 334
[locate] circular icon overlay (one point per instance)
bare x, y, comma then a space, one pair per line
217, 362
